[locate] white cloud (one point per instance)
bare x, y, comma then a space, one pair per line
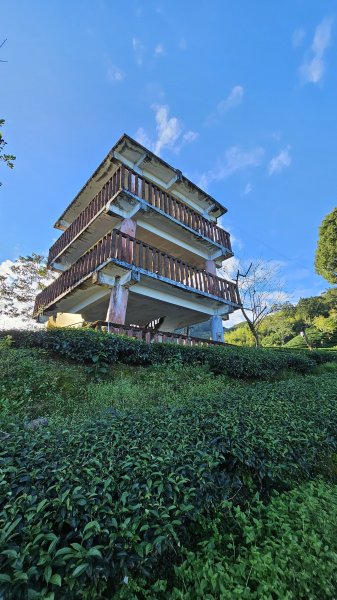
322, 36
248, 189
298, 37
142, 137
138, 49
233, 99
168, 128
313, 68
114, 74
5, 267
189, 136
159, 50
280, 161
235, 159
234, 319
170, 132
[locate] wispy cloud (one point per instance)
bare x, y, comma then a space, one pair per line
231, 101
114, 74
298, 37
189, 136
248, 189
168, 128
138, 49
143, 138
313, 67
159, 50
280, 161
170, 132
235, 159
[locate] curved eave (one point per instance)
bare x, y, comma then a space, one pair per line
100, 175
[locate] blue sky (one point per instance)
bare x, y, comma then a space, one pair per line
241, 96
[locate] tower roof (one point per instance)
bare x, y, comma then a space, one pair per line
151, 166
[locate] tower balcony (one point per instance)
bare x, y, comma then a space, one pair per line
126, 193
152, 273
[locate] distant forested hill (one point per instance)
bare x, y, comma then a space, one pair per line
316, 316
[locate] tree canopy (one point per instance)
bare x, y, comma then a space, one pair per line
19, 286
326, 252
315, 316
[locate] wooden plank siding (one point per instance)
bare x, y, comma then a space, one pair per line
126, 179
120, 247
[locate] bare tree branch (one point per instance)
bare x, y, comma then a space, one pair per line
260, 290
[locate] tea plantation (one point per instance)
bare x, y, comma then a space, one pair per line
156, 471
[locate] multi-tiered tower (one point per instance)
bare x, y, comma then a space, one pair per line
140, 243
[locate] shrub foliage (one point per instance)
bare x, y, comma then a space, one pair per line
103, 349
85, 509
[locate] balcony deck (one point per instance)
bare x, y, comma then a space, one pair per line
127, 181
132, 254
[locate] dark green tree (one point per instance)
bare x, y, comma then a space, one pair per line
326, 252
330, 298
309, 308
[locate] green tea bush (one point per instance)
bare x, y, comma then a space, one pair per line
84, 507
285, 550
104, 349
32, 385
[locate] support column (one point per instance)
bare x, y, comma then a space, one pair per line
217, 329
128, 226
118, 304
210, 267
120, 293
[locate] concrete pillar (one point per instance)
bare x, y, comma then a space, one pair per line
118, 304
119, 295
210, 267
128, 226
217, 328
216, 321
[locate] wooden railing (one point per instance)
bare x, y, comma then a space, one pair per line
150, 335
126, 179
122, 248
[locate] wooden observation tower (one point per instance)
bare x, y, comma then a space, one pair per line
140, 244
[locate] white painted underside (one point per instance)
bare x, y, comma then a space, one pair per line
189, 304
